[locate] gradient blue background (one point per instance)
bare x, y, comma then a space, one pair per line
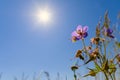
29, 50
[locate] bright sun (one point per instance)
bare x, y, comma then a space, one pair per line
43, 16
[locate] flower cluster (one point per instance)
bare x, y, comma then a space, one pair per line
97, 52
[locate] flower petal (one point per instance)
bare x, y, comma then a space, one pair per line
111, 36
85, 28
75, 36
110, 31
79, 28
85, 35
74, 33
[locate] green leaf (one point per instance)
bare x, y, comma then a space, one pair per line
91, 73
112, 68
97, 67
105, 66
90, 69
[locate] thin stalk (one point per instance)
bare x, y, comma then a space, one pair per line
114, 76
118, 73
97, 65
106, 75
75, 77
95, 77
100, 59
84, 46
101, 56
104, 49
111, 76
98, 76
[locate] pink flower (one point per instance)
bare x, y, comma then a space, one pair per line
80, 33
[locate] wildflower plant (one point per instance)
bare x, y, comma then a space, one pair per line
103, 50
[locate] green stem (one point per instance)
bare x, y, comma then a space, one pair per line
111, 76
97, 65
106, 76
114, 76
84, 46
75, 77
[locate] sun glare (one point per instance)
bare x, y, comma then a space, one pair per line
43, 16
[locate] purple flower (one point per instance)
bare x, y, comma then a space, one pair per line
108, 32
80, 33
75, 36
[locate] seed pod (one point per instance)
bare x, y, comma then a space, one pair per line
73, 68
95, 40
79, 55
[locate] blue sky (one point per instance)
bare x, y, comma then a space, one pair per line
26, 47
